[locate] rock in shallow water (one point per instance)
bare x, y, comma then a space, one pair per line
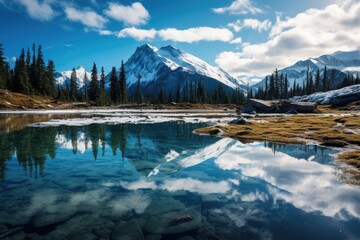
127, 231
174, 222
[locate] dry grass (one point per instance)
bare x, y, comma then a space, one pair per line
296, 129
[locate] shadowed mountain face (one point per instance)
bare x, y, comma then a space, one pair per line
338, 64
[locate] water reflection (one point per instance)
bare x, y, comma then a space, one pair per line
163, 182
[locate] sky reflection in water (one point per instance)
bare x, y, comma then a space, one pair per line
76, 182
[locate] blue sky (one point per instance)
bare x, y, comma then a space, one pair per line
247, 38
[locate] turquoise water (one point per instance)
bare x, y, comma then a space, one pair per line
161, 181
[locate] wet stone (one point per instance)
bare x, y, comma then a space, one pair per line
174, 222
127, 231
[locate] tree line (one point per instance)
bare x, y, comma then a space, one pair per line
276, 85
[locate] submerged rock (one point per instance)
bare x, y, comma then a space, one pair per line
174, 222
127, 231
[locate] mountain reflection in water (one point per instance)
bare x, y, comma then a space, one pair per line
162, 181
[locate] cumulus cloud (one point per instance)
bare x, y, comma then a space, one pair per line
237, 41
196, 34
251, 23
136, 14
138, 34
39, 10
105, 32
310, 34
88, 18
238, 7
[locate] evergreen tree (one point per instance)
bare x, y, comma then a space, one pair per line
50, 79
138, 90
177, 98
317, 81
103, 97
32, 68
286, 87
3, 70
94, 89
266, 91
73, 92
161, 96
114, 87
28, 58
41, 83
21, 79
122, 79
325, 80
86, 90
272, 87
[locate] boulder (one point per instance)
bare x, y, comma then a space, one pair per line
282, 106
174, 222
239, 121
345, 99
127, 231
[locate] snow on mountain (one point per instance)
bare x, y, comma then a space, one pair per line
327, 97
63, 78
169, 67
338, 64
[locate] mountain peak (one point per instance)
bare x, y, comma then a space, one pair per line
147, 46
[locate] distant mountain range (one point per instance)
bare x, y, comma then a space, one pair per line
166, 68
342, 62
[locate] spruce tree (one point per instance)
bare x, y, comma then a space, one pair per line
32, 68
114, 87
21, 79
122, 79
94, 89
177, 97
317, 81
325, 80
73, 86
50, 79
3, 75
41, 76
138, 90
85, 82
102, 87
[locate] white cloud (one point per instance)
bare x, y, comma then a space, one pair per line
237, 41
138, 34
257, 25
196, 34
39, 10
105, 32
13, 59
88, 18
239, 7
136, 14
251, 23
310, 34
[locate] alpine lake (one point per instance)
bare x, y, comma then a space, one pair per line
114, 180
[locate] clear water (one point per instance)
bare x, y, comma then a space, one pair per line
162, 181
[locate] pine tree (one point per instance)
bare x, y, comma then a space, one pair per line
122, 79
266, 91
138, 90
103, 98
325, 80
114, 87
50, 79
177, 97
161, 96
3, 75
41, 76
317, 81
86, 90
21, 79
73, 86
94, 89
286, 87
32, 68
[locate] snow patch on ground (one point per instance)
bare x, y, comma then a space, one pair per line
326, 97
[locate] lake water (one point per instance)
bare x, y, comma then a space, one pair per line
161, 181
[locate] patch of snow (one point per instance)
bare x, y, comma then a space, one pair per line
326, 97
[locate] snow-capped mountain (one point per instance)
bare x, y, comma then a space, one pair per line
169, 67
338, 64
63, 78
